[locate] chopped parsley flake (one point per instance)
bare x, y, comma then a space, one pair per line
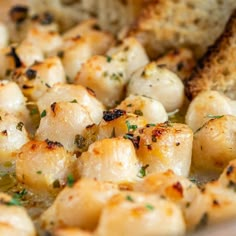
21, 194
129, 198
130, 127
39, 172
14, 202
70, 180
142, 172
138, 112
105, 73
150, 207
74, 101
115, 77
109, 59
43, 114
214, 117
33, 111
150, 125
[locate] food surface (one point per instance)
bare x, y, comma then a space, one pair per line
105, 126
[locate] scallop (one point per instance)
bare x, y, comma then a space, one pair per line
207, 105
13, 136
164, 146
71, 232
140, 214
13, 101
116, 155
117, 123
14, 219
44, 37
214, 144
151, 109
75, 94
36, 79
105, 77
64, 122
98, 40
79, 205
29, 53
159, 83
132, 53
174, 188
44, 166
73, 53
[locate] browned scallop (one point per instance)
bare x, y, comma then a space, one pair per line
44, 166
116, 154
164, 146
214, 144
79, 205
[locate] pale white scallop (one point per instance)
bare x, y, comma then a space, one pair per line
62, 122
14, 220
47, 73
13, 101
165, 146
73, 93
109, 160
13, 136
45, 37
206, 105
29, 53
151, 109
174, 188
159, 83
44, 165
141, 214
132, 53
105, 77
79, 205
214, 144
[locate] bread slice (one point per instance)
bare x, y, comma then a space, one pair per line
169, 24
112, 15
217, 69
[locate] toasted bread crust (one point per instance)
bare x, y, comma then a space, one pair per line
195, 24
217, 69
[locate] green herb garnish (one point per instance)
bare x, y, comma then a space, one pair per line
74, 101
129, 198
214, 117
43, 114
131, 127
142, 172
70, 180
109, 59
150, 207
138, 112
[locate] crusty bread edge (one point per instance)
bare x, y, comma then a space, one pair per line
192, 87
